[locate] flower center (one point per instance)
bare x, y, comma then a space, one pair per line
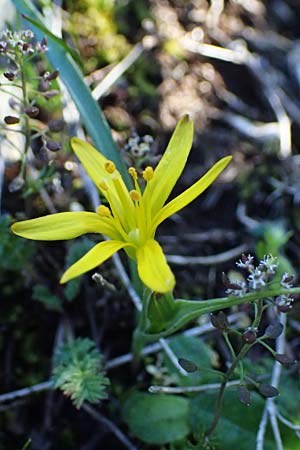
134, 236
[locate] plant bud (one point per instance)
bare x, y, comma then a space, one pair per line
32, 111
187, 365
11, 120
56, 125
53, 146
268, 391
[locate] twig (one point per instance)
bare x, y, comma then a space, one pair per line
208, 260
214, 13
110, 425
26, 391
287, 422
116, 362
153, 348
270, 407
117, 71
188, 389
171, 355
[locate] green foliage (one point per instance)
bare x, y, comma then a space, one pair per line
78, 372
15, 252
192, 349
238, 425
76, 251
156, 419
93, 27
42, 294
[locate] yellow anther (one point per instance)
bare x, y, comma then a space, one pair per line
103, 185
109, 166
148, 173
133, 173
103, 211
135, 195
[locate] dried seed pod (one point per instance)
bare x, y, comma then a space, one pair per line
268, 391
53, 146
53, 75
219, 321
40, 153
244, 395
274, 330
32, 111
285, 360
187, 365
56, 125
50, 94
250, 335
9, 75
11, 120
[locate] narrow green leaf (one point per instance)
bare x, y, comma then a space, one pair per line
60, 57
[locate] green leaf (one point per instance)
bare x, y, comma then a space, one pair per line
156, 419
201, 356
60, 57
238, 425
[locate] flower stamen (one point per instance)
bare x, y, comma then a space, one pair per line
110, 167
103, 211
133, 173
103, 186
135, 195
148, 173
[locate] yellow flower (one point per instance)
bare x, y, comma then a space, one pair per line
133, 216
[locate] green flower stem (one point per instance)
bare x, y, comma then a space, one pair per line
260, 341
26, 119
186, 310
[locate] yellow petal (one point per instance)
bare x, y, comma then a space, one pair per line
96, 256
92, 160
115, 192
170, 166
191, 193
67, 225
153, 268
